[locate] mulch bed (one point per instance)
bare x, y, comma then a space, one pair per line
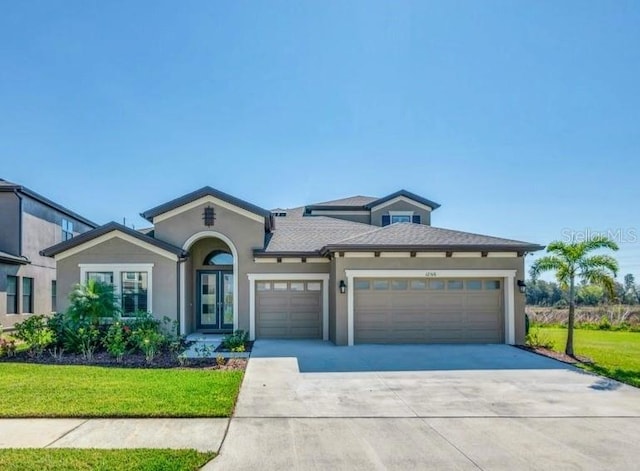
134, 360
248, 346
563, 357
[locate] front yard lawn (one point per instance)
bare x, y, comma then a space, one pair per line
31, 390
614, 354
30, 459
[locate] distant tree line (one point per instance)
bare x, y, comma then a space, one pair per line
549, 293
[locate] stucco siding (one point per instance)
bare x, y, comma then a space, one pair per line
376, 216
116, 250
341, 264
10, 227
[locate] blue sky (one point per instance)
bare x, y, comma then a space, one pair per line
520, 118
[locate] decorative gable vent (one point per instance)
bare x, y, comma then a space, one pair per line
209, 216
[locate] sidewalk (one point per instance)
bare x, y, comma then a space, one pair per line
200, 434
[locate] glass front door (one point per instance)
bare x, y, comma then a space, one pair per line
215, 300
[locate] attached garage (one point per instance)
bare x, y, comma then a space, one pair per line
428, 310
289, 309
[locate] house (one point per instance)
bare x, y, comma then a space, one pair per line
29, 223
355, 270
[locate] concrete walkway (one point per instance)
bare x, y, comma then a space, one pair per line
201, 434
525, 412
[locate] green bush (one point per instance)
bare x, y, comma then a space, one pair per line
88, 338
93, 302
536, 339
235, 341
36, 333
604, 324
7, 347
149, 341
115, 340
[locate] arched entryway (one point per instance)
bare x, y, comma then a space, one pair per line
209, 280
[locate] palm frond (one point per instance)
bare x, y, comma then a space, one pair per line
601, 277
601, 261
544, 264
597, 242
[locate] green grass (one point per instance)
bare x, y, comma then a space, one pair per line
30, 390
615, 354
30, 459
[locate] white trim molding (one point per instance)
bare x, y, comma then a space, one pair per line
116, 234
508, 277
205, 200
117, 269
401, 198
253, 277
183, 281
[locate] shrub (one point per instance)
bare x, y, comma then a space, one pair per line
92, 302
7, 347
36, 334
536, 339
235, 341
115, 341
149, 341
604, 324
88, 338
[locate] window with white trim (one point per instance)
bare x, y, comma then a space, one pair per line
132, 283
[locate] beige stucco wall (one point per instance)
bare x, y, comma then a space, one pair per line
376, 216
338, 318
116, 250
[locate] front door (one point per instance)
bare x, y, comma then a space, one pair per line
215, 300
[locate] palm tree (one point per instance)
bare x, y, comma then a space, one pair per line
93, 301
573, 260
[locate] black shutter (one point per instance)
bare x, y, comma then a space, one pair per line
416, 219
386, 219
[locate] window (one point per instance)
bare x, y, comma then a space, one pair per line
399, 284
132, 282
492, 284
12, 294
67, 229
400, 218
219, 257
314, 286
54, 295
473, 284
297, 286
27, 295
418, 284
380, 284
134, 288
436, 284
454, 284
280, 286
361, 284
101, 276
263, 286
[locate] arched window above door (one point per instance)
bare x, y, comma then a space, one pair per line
219, 257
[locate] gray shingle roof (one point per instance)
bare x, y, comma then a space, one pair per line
294, 233
418, 236
357, 200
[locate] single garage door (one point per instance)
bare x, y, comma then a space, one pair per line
430, 310
289, 309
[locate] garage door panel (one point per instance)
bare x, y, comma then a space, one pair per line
289, 312
438, 315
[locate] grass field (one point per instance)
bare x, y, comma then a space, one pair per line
615, 354
29, 390
101, 460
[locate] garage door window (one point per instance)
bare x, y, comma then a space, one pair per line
455, 284
436, 284
474, 284
362, 284
280, 286
314, 286
418, 284
263, 286
399, 285
381, 284
297, 286
492, 284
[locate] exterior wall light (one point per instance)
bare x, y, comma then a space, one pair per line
522, 286
342, 286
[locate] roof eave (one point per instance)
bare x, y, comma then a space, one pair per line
286, 253
429, 248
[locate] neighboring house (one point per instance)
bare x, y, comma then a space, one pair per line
29, 223
356, 270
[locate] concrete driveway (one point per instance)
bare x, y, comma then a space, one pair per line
311, 405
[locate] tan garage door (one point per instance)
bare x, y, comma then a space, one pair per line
428, 311
289, 309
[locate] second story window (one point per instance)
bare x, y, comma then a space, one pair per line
67, 229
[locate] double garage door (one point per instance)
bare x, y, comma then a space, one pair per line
428, 310
289, 309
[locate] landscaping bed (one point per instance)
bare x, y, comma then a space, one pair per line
132, 360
